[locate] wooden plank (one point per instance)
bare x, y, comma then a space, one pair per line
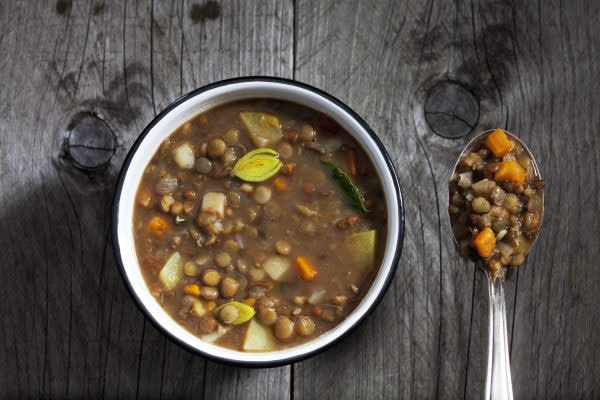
194, 45
63, 348
225, 382
396, 353
428, 338
555, 347
241, 38
72, 328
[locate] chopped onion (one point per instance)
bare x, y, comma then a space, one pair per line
240, 240
257, 291
509, 157
315, 146
211, 337
331, 144
217, 226
166, 184
529, 171
505, 249
317, 296
535, 204
465, 180
501, 235
483, 187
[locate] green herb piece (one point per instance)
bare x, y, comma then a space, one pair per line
282, 287
355, 198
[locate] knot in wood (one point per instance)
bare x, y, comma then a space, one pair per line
451, 110
209, 10
91, 143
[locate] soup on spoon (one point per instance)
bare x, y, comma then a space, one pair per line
496, 201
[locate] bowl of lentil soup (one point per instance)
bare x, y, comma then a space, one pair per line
256, 221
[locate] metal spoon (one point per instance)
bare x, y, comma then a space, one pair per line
498, 383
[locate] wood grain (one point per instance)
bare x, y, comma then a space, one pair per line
428, 337
69, 327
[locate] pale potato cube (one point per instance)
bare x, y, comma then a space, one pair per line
214, 203
361, 246
276, 266
184, 156
258, 337
172, 272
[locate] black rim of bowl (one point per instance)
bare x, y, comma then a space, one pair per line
119, 187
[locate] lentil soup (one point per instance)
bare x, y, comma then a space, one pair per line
496, 202
259, 225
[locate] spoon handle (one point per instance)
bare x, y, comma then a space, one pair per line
498, 384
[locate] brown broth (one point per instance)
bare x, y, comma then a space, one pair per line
319, 238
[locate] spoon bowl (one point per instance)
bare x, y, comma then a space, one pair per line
475, 141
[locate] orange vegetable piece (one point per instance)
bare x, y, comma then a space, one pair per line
498, 143
351, 162
510, 171
249, 301
193, 290
484, 242
158, 226
306, 270
288, 168
280, 184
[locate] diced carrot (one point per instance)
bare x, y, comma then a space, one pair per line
280, 184
498, 143
306, 270
484, 242
158, 226
193, 290
510, 171
249, 301
351, 162
288, 168
309, 187
317, 311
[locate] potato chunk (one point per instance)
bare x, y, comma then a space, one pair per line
361, 246
264, 129
258, 338
214, 203
184, 156
172, 272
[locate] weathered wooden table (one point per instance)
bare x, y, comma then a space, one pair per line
81, 79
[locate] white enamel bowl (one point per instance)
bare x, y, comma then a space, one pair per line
199, 101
